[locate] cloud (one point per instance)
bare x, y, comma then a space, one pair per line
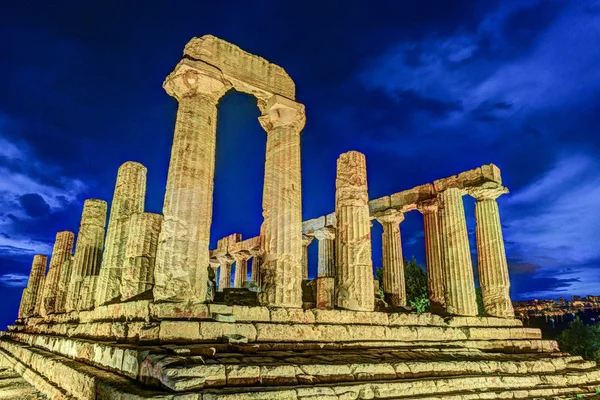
32, 192
14, 280
34, 205
552, 226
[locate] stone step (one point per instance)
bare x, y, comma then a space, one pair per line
211, 331
85, 382
126, 359
236, 369
14, 386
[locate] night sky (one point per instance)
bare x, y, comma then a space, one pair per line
426, 89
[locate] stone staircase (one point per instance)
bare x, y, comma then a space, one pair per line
219, 352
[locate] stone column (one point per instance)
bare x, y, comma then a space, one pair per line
306, 241
88, 249
394, 286
63, 247
63, 284
281, 274
224, 274
326, 238
35, 285
493, 268
128, 199
256, 267
241, 270
458, 268
354, 274
140, 256
87, 293
37, 304
182, 257
433, 255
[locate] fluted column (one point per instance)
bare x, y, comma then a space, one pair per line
35, 285
183, 256
433, 255
63, 284
354, 274
326, 238
128, 199
241, 270
491, 255
224, 274
458, 268
306, 241
137, 278
37, 304
63, 247
281, 274
256, 267
394, 286
88, 249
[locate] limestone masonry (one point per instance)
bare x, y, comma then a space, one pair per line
143, 308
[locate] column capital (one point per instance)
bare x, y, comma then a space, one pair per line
279, 111
326, 232
428, 206
307, 239
186, 81
487, 191
242, 255
390, 216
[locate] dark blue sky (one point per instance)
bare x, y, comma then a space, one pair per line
425, 89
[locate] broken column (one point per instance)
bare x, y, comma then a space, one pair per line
326, 238
354, 274
491, 255
458, 269
63, 247
394, 286
128, 199
182, 259
88, 250
306, 241
35, 285
137, 279
224, 273
281, 231
433, 254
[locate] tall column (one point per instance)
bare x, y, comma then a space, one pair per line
354, 275
256, 267
433, 255
88, 249
241, 270
458, 268
128, 199
224, 274
63, 247
306, 241
34, 285
182, 257
493, 268
37, 304
394, 286
326, 238
140, 255
63, 284
281, 274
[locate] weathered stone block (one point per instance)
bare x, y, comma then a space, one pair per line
325, 298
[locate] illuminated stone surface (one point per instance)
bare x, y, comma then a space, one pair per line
128, 200
354, 274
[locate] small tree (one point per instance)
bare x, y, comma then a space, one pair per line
581, 340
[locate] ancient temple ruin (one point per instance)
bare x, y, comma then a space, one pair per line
143, 308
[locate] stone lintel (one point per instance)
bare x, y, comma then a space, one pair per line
471, 178
249, 73
407, 200
308, 227
380, 204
